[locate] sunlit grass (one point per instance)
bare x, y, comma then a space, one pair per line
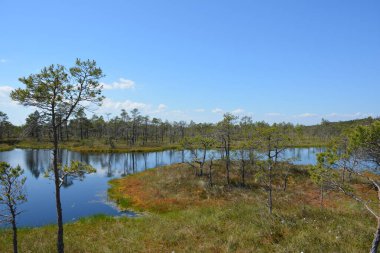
97, 146
120, 146
181, 213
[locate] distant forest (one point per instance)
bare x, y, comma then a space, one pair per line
134, 129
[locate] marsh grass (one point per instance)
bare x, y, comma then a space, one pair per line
96, 146
119, 146
182, 213
5, 147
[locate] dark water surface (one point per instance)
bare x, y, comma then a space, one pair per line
89, 197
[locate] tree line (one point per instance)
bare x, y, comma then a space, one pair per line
132, 128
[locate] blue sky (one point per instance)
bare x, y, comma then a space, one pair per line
288, 60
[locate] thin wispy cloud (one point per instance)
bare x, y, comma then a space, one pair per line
110, 105
273, 114
160, 111
5, 99
238, 111
3, 60
310, 118
306, 115
114, 107
5, 90
349, 115
217, 110
199, 110
121, 84
160, 108
177, 112
335, 116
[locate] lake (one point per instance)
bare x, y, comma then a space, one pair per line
89, 197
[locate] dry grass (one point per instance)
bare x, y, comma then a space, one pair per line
184, 214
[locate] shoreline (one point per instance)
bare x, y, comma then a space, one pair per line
78, 147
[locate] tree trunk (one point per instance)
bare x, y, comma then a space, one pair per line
60, 130
14, 228
67, 132
81, 131
227, 150
285, 182
243, 173
321, 195
270, 203
203, 161
228, 170
60, 244
376, 240
210, 174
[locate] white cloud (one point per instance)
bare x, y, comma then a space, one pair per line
177, 112
114, 107
122, 84
218, 111
111, 106
5, 100
4, 95
162, 107
335, 116
6, 89
237, 111
273, 114
349, 115
306, 115
3, 61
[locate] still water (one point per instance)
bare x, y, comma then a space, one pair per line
89, 196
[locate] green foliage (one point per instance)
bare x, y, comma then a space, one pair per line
323, 172
187, 143
366, 140
58, 93
269, 138
204, 142
228, 120
76, 169
4, 124
56, 89
11, 186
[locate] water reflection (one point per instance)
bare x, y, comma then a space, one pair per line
89, 197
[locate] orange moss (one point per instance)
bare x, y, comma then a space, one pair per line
175, 187
166, 190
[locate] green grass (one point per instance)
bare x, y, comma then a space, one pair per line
101, 146
183, 214
5, 147
96, 146
238, 228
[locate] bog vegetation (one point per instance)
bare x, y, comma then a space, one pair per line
251, 200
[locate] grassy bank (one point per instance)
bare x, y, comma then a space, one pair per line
184, 214
95, 146
5, 147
